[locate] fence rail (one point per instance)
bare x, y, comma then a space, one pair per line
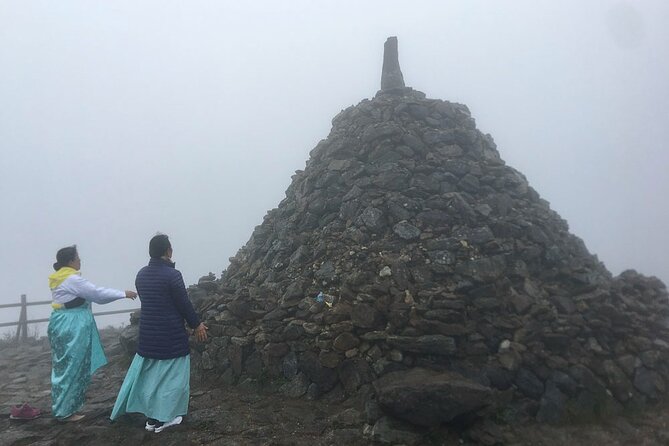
22, 323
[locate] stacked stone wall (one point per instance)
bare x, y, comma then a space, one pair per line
442, 272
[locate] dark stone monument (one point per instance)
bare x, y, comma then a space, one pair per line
391, 76
451, 291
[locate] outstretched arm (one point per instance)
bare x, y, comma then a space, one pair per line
83, 288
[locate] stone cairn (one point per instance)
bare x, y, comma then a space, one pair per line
409, 263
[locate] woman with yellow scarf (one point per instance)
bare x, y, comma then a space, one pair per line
76, 351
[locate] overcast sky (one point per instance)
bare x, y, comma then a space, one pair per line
119, 119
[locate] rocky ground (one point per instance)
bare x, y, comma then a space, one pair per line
254, 414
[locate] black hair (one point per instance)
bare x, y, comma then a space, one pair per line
64, 256
159, 245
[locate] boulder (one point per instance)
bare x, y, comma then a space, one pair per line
428, 398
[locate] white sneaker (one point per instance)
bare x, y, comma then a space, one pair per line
167, 424
152, 424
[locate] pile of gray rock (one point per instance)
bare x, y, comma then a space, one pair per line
408, 262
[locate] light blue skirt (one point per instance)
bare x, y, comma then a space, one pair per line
76, 353
157, 388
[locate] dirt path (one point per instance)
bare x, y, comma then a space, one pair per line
243, 415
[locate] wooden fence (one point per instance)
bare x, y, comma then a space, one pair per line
22, 323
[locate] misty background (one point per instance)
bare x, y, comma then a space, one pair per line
120, 119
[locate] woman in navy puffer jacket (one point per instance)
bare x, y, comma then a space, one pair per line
158, 381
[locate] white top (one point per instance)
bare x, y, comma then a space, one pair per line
76, 286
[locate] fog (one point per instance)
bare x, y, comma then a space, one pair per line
120, 119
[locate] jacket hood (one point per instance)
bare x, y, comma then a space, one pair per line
59, 276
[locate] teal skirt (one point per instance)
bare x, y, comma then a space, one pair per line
157, 388
76, 353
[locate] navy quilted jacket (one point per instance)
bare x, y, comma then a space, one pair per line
165, 306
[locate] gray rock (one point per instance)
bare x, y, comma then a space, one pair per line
649, 382
135, 316
521, 303
206, 361
324, 377
556, 342
129, 338
314, 391
385, 272
353, 373
345, 341
484, 269
428, 398
469, 183
564, 304
301, 255
618, 383
587, 379
406, 231
650, 358
394, 432
444, 258
296, 387
329, 359
430, 344
379, 131
365, 316
372, 218
240, 309
326, 271
289, 365
529, 384
500, 378
628, 364
552, 405
433, 217
564, 383
293, 294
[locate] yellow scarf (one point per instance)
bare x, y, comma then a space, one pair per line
59, 276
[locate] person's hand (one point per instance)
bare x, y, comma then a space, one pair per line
130, 294
200, 332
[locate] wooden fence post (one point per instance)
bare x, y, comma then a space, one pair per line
22, 328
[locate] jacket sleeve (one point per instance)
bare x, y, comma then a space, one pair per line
182, 302
81, 287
